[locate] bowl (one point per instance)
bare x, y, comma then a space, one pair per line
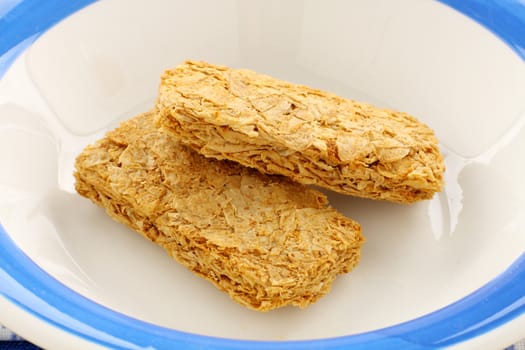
447, 272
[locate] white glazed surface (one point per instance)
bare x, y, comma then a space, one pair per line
80, 80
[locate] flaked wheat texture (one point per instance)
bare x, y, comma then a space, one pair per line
311, 136
265, 240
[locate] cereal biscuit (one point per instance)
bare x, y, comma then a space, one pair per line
265, 240
311, 136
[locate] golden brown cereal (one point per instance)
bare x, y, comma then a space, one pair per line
265, 240
311, 136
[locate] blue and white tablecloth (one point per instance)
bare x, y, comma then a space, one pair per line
11, 341
7, 335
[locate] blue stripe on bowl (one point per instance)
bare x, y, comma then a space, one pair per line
32, 289
505, 18
22, 22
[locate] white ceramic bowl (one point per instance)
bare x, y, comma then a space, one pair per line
444, 272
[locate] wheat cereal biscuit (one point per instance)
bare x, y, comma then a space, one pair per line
265, 240
311, 136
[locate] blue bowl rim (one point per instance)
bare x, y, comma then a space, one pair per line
32, 289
